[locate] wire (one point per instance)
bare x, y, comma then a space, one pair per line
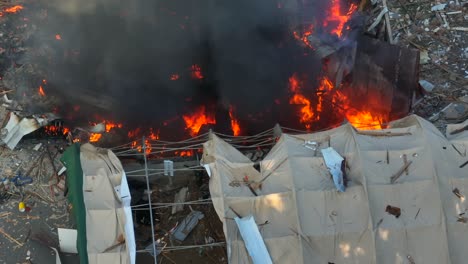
165, 249
171, 204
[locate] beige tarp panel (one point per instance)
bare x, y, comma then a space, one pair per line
105, 213
309, 221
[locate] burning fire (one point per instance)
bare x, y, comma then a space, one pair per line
58, 37
196, 72
153, 136
56, 130
195, 121
110, 125
363, 119
95, 137
41, 91
13, 9
306, 112
139, 147
338, 19
235, 126
326, 92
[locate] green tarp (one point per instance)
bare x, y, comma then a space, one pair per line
74, 180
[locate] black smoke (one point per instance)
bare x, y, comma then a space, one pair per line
115, 58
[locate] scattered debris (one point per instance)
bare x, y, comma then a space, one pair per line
37, 147
458, 194
456, 111
427, 86
67, 240
416, 216
10, 238
397, 175
18, 127
462, 219
168, 168
438, 7
187, 225
395, 211
179, 199
464, 164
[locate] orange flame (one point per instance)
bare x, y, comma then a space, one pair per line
56, 130
195, 121
184, 153
363, 119
306, 112
110, 125
325, 86
335, 16
41, 91
148, 146
13, 9
153, 136
196, 72
95, 137
58, 37
235, 126
139, 148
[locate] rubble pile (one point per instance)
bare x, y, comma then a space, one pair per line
439, 32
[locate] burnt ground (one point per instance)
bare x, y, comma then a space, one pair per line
440, 36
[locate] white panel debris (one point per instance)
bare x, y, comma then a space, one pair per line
253, 240
333, 161
18, 127
168, 168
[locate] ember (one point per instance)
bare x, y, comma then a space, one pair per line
195, 121
54, 130
196, 72
305, 36
184, 153
58, 37
41, 91
174, 77
134, 133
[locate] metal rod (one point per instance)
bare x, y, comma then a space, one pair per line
149, 199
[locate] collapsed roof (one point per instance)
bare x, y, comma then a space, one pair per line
419, 218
